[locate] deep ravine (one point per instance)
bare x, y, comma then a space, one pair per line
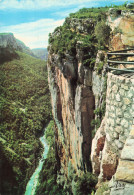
32, 184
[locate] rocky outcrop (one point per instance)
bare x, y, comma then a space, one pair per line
122, 24
81, 25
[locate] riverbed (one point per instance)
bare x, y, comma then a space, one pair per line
32, 184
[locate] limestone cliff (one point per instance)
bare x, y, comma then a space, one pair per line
78, 94
72, 105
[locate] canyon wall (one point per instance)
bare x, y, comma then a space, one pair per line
72, 105
78, 90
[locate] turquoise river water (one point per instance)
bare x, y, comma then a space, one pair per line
32, 184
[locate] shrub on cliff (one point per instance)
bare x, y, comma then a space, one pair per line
64, 39
102, 32
95, 13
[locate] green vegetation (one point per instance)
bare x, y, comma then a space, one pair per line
103, 188
94, 13
67, 39
47, 180
98, 13
6, 33
99, 67
41, 53
117, 30
25, 103
86, 184
102, 32
24, 109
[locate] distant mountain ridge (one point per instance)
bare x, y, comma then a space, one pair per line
9, 45
41, 53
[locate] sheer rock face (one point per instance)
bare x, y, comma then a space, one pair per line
72, 105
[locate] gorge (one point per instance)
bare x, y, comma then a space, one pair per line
23, 88
91, 136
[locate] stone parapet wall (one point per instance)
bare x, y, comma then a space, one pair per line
123, 181
116, 126
119, 109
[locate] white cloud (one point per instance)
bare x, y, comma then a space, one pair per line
41, 4
33, 34
36, 4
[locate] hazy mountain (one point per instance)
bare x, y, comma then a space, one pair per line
41, 53
9, 45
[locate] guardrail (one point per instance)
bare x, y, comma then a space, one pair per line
115, 58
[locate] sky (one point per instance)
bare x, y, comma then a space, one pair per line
32, 20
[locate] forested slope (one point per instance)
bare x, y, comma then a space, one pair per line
24, 110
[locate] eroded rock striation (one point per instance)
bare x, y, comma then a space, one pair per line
73, 105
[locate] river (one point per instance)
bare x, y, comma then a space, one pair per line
32, 184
